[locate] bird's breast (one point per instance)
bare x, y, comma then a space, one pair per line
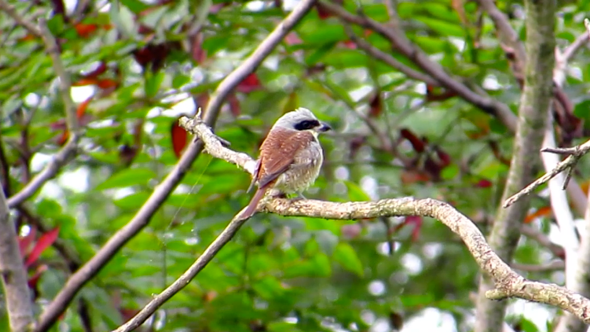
307, 165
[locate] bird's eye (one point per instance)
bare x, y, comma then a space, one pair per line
307, 124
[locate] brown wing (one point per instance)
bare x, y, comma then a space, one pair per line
277, 153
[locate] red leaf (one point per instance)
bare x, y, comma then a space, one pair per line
323, 13
32, 282
179, 137
417, 222
445, 158
411, 220
197, 51
249, 84
349, 44
214, 9
84, 30
44, 241
107, 83
417, 143
24, 243
100, 69
234, 104
85, 81
541, 212
81, 110
63, 138
376, 105
484, 183
292, 39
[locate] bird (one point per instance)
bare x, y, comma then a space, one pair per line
290, 157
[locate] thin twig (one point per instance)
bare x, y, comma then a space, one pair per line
568, 163
507, 33
143, 216
388, 59
65, 83
28, 25
183, 281
69, 149
569, 52
59, 160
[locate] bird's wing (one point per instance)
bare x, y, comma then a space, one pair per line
277, 154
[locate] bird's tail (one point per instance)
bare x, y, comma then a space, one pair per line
251, 208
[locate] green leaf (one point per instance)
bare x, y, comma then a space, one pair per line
268, 288
132, 201
153, 82
347, 257
123, 19
582, 110
327, 241
180, 80
128, 177
321, 265
355, 192
135, 6
48, 208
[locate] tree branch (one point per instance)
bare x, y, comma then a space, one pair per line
402, 45
208, 255
65, 83
28, 25
507, 35
568, 164
13, 274
143, 216
69, 149
534, 103
389, 60
507, 282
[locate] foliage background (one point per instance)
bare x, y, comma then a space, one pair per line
393, 137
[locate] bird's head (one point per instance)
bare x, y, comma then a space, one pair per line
302, 119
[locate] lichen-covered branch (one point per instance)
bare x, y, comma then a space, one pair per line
534, 104
507, 283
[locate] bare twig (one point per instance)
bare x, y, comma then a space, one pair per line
143, 216
13, 275
507, 282
69, 149
388, 59
507, 34
65, 83
402, 45
568, 163
208, 255
11, 11
569, 52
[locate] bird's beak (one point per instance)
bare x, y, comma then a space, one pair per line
325, 127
